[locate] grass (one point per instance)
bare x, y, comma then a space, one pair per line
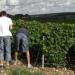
20, 71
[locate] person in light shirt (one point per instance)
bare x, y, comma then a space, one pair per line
5, 38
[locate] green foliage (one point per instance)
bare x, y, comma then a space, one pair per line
20, 71
54, 39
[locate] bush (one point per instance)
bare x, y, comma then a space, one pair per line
52, 38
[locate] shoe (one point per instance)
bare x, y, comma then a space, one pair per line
15, 62
30, 66
2, 66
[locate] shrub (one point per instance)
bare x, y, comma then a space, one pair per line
52, 38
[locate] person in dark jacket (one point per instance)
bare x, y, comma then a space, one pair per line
22, 44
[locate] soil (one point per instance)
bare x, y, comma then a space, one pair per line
45, 70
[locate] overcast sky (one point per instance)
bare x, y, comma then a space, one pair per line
33, 7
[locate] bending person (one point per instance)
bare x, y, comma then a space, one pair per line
22, 42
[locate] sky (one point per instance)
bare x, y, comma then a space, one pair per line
33, 7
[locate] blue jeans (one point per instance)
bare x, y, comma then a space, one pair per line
5, 48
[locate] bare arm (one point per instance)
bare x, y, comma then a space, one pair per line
10, 27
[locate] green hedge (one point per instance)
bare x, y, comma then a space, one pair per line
52, 38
